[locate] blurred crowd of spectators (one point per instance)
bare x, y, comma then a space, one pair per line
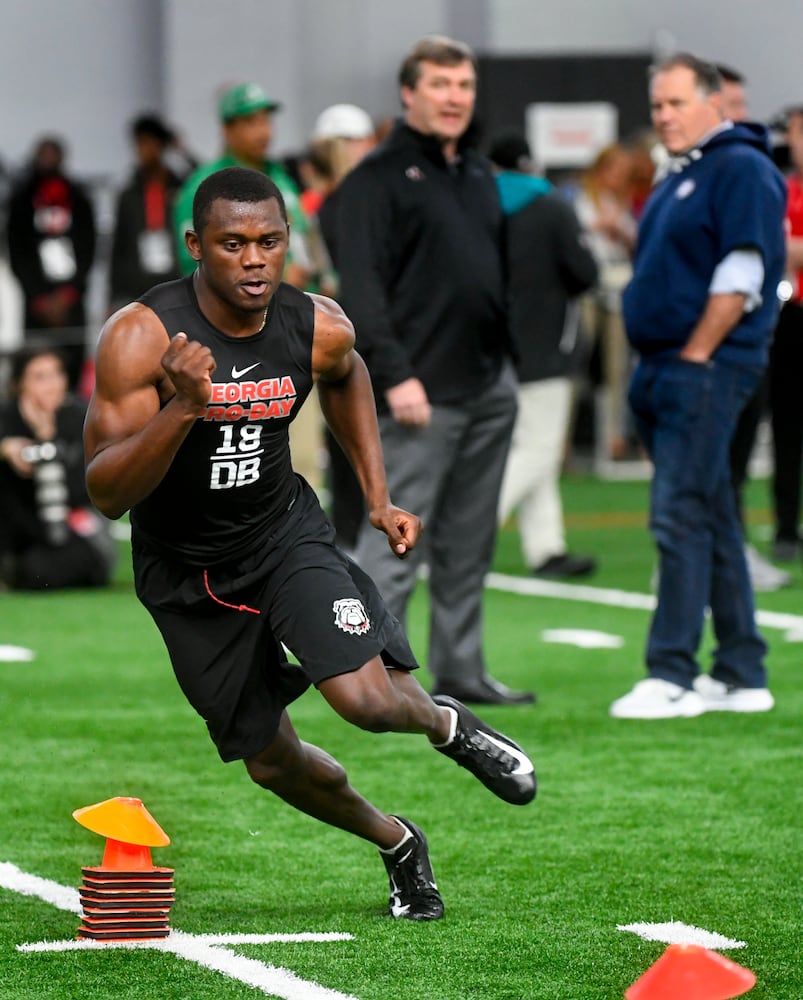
62, 273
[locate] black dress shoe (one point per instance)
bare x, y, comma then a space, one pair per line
565, 566
786, 549
489, 692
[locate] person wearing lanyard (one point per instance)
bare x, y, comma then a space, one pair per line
143, 251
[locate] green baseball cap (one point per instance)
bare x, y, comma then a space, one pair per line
244, 99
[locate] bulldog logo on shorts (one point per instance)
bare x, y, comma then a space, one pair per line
350, 616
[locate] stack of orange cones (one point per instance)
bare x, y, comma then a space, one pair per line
126, 898
693, 973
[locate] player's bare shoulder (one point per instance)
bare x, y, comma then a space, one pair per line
333, 339
130, 347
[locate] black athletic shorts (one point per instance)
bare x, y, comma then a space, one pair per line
224, 628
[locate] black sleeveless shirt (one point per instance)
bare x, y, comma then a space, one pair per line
232, 478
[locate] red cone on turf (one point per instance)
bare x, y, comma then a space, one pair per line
691, 972
130, 832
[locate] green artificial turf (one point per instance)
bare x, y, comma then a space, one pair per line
685, 820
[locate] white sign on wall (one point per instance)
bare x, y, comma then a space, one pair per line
569, 135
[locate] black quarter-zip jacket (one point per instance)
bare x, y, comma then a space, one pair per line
420, 262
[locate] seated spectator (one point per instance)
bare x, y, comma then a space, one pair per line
50, 536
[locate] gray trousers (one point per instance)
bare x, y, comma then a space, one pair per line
449, 474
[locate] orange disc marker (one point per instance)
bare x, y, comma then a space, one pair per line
693, 973
130, 831
126, 898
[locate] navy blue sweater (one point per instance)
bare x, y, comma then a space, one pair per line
726, 195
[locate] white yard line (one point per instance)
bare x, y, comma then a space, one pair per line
612, 598
207, 950
583, 592
15, 654
675, 932
60, 896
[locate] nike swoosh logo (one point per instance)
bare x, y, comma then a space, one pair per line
239, 372
524, 762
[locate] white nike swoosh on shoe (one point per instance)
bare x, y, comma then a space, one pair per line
239, 372
397, 908
525, 764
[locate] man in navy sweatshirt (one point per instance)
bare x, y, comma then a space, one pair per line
699, 311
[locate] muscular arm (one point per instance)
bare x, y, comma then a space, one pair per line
347, 402
130, 437
721, 314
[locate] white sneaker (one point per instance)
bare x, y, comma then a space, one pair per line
764, 577
720, 697
654, 698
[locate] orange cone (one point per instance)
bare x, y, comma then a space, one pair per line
130, 831
693, 973
126, 898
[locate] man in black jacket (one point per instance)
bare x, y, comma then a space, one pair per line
549, 265
143, 245
419, 237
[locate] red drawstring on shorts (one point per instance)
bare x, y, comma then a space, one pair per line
234, 607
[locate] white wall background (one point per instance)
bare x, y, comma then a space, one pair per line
83, 68
77, 68
761, 39
306, 53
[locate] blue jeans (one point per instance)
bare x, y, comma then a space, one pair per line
686, 414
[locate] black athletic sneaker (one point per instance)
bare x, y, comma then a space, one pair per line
499, 763
413, 893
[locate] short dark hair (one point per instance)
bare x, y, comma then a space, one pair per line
511, 151
729, 74
706, 74
152, 125
438, 49
780, 121
35, 347
233, 184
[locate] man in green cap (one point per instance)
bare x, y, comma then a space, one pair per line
246, 116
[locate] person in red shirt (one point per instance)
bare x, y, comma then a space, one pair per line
786, 363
